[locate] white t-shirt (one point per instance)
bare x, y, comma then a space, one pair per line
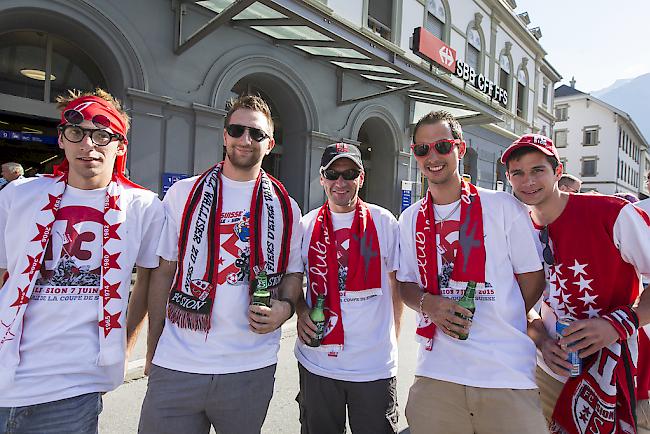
370, 347
498, 352
60, 339
230, 346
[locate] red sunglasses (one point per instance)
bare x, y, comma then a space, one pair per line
443, 147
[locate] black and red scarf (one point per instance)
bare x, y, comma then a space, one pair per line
469, 263
364, 268
193, 292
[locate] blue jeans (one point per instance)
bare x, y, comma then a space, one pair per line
77, 415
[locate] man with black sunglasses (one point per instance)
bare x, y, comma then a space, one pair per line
350, 252
595, 248
70, 241
460, 235
229, 231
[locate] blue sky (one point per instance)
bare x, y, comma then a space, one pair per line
597, 41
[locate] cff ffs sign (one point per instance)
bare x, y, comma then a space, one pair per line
432, 49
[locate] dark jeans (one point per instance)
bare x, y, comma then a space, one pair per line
77, 415
371, 405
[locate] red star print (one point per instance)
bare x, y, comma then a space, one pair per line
34, 265
112, 202
110, 322
53, 202
110, 261
109, 292
22, 297
42, 230
220, 260
112, 231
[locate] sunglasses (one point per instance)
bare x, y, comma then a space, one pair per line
75, 117
237, 131
76, 134
348, 175
547, 253
443, 147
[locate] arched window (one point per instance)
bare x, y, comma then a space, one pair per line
474, 48
26, 58
522, 90
505, 74
435, 20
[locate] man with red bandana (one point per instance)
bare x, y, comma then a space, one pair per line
69, 242
595, 248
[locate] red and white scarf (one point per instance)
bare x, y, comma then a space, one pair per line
22, 278
364, 268
469, 263
193, 293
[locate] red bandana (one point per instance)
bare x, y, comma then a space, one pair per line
469, 264
364, 268
193, 293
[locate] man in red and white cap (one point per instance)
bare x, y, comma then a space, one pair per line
594, 248
69, 242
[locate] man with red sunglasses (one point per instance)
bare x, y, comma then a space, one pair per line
69, 241
350, 252
457, 237
229, 231
595, 248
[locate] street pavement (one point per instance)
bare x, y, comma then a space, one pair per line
122, 406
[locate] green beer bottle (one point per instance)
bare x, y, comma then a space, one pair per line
467, 301
317, 316
261, 295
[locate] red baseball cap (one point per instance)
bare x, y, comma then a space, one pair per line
537, 141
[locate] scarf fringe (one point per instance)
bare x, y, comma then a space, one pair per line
188, 320
362, 294
337, 348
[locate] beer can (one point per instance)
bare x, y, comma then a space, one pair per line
574, 358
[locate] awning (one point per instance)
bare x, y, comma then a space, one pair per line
309, 27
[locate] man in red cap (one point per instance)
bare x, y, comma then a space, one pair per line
594, 248
462, 239
69, 242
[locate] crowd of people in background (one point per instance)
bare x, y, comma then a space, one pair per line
531, 308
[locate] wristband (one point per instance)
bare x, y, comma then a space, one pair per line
624, 320
424, 294
291, 305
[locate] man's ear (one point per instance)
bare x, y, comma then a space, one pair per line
271, 146
121, 148
462, 149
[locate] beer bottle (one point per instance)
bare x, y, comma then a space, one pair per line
261, 294
467, 301
317, 316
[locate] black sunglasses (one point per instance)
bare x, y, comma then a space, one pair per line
76, 117
443, 147
99, 137
237, 131
547, 253
348, 175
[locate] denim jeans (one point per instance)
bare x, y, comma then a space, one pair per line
77, 415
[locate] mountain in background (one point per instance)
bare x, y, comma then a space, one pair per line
632, 95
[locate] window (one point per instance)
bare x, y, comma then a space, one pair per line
545, 94
560, 139
562, 113
25, 57
522, 83
473, 54
380, 17
504, 72
436, 18
589, 166
564, 163
590, 136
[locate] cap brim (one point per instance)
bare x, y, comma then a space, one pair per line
513, 148
338, 157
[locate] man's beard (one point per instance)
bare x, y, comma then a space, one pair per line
242, 162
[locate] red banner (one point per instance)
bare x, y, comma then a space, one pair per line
432, 49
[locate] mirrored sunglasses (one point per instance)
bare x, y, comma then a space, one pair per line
237, 131
75, 117
442, 147
547, 253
